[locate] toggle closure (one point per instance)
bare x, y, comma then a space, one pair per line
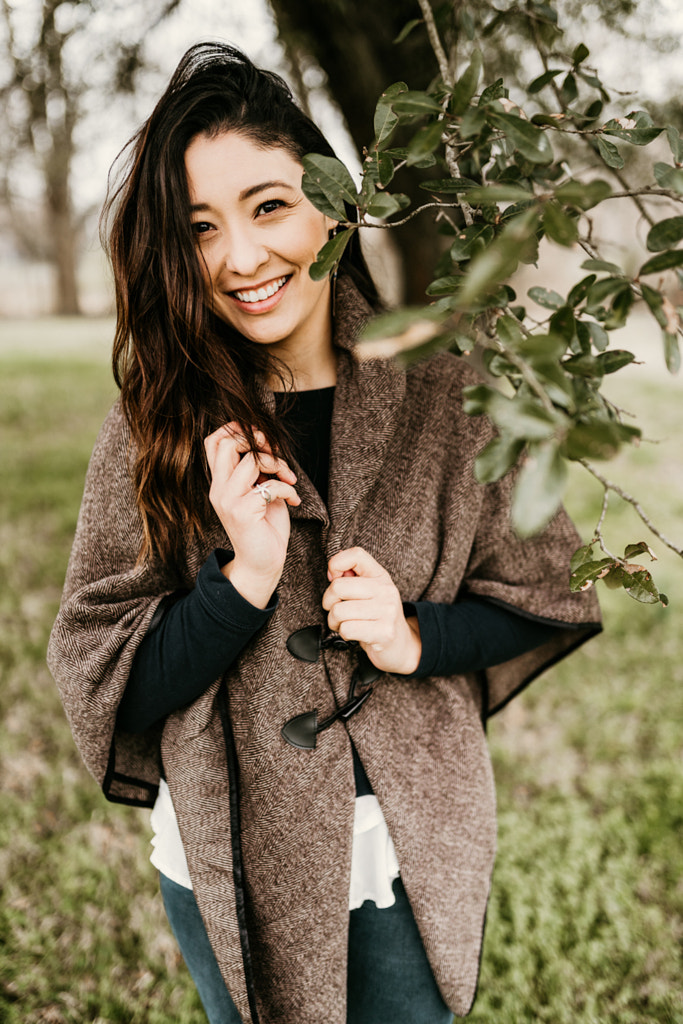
306, 644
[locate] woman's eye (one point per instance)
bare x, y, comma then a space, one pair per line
200, 227
270, 206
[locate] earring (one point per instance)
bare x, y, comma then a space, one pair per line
332, 233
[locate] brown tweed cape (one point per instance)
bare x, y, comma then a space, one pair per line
401, 486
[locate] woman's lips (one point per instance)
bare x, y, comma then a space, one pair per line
263, 298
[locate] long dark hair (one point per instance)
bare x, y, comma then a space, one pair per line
183, 372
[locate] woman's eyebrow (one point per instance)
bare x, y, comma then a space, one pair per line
246, 193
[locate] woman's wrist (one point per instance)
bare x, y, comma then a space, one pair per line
255, 588
413, 646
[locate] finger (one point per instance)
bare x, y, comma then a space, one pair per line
252, 468
233, 435
276, 489
350, 588
356, 559
229, 442
366, 632
348, 611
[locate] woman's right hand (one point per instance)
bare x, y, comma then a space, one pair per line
258, 531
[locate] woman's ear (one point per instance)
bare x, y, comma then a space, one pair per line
332, 227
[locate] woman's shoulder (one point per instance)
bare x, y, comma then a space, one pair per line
111, 454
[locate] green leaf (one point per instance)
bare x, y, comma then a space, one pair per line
490, 194
588, 572
330, 254
583, 365
477, 398
669, 177
526, 138
496, 91
539, 489
655, 302
642, 588
542, 350
520, 418
665, 235
509, 331
385, 118
473, 123
471, 240
672, 352
598, 335
424, 142
585, 195
415, 103
543, 80
579, 55
593, 111
602, 265
675, 143
599, 291
639, 136
580, 556
388, 325
466, 86
601, 440
385, 204
558, 225
568, 90
620, 308
563, 324
490, 267
448, 184
328, 185
444, 285
407, 29
497, 458
609, 153
546, 298
580, 290
613, 360
664, 261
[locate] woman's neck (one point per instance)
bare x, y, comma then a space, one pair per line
310, 367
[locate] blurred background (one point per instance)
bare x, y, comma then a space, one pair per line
586, 911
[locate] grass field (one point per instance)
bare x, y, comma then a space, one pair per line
586, 914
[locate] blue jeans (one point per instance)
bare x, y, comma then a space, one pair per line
389, 978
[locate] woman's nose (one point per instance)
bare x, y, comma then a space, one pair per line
244, 252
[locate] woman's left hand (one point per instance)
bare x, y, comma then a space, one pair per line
363, 604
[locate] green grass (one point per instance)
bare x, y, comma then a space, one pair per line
586, 914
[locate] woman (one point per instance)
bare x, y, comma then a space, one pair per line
289, 608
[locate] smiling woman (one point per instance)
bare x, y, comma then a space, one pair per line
256, 244
289, 608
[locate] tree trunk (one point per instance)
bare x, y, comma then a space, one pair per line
353, 42
64, 248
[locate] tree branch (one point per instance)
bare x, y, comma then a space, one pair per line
413, 213
437, 46
609, 485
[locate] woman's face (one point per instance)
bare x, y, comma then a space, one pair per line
257, 234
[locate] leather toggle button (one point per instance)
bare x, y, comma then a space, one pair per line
301, 731
304, 644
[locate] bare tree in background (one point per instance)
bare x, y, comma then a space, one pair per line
42, 98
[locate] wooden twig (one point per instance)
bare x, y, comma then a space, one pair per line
609, 485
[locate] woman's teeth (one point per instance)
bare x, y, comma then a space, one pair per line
261, 293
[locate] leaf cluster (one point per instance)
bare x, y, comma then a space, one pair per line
503, 181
